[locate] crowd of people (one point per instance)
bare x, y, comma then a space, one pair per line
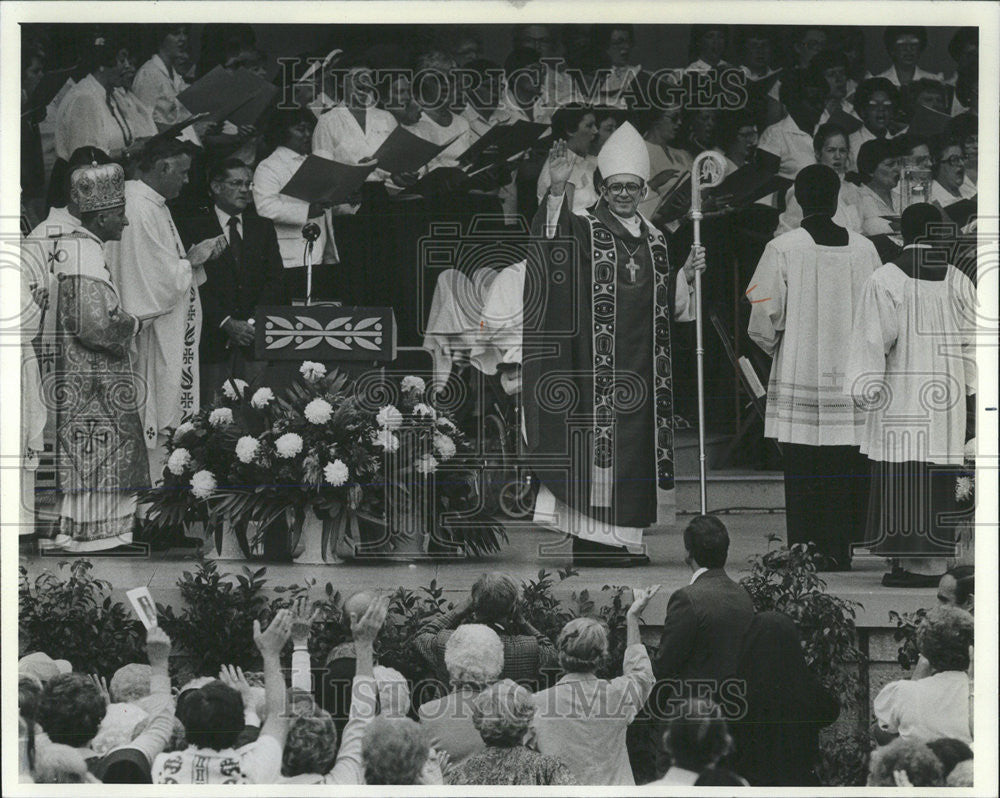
727, 695
152, 242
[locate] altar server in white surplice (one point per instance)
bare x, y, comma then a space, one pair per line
158, 282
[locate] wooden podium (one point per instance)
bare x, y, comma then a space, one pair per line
351, 339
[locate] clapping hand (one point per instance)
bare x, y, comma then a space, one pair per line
640, 598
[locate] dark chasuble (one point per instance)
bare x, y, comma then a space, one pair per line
597, 382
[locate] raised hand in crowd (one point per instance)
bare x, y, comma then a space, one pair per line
438, 764
234, 677
640, 598
101, 684
157, 648
270, 642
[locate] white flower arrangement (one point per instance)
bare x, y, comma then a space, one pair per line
231, 392
261, 398
427, 464
318, 411
386, 440
312, 371
447, 424
203, 484
246, 448
220, 417
288, 445
389, 418
425, 410
444, 445
336, 473
414, 384
182, 430
963, 488
179, 460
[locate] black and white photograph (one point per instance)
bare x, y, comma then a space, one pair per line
499, 395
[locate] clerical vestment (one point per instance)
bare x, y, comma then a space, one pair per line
158, 284
597, 378
101, 459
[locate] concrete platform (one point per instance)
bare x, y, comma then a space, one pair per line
530, 549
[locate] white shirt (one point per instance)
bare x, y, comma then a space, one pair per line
918, 74
911, 336
944, 198
791, 144
288, 213
457, 129
803, 298
926, 709
258, 762
339, 134
158, 89
873, 210
224, 218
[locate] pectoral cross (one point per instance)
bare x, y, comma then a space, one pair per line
632, 267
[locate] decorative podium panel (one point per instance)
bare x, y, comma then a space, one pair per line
325, 333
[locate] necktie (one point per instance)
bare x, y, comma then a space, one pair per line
235, 241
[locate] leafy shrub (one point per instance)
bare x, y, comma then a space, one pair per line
906, 635
74, 618
542, 609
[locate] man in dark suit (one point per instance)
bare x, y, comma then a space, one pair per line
707, 620
248, 273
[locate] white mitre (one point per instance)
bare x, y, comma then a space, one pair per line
624, 153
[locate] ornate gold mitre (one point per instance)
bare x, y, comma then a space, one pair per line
97, 188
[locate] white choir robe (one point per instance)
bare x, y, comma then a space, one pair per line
159, 285
457, 131
85, 119
288, 213
912, 338
804, 298
339, 134
158, 88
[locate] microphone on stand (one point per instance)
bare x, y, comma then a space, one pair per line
310, 232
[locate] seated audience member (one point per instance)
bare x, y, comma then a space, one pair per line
290, 134
951, 184
131, 684
72, 708
494, 602
707, 620
311, 755
248, 272
583, 719
950, 753
502, 715
213, 718
696, 740
938, 705
777, 736
396, 751
905, 763
474, 658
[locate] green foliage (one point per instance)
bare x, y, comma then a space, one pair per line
844, 754
543, 610
408, 611
74, 618
216, 624
906, 635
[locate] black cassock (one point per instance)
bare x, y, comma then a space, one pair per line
597, 381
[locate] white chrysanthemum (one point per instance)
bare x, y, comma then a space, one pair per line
182, 430
445, 446
389, 417
288, 445
318, 411
415, 384
427, 464
262, 397
386, 440
202, 484
312, 371
963, 488
178, 461
336, 473
221, 416
234, 393
447, 424
425, 410
246, 448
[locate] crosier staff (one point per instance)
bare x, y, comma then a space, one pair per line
707, 171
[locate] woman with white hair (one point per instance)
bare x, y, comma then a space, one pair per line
502, 714
473, 656
583, 719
